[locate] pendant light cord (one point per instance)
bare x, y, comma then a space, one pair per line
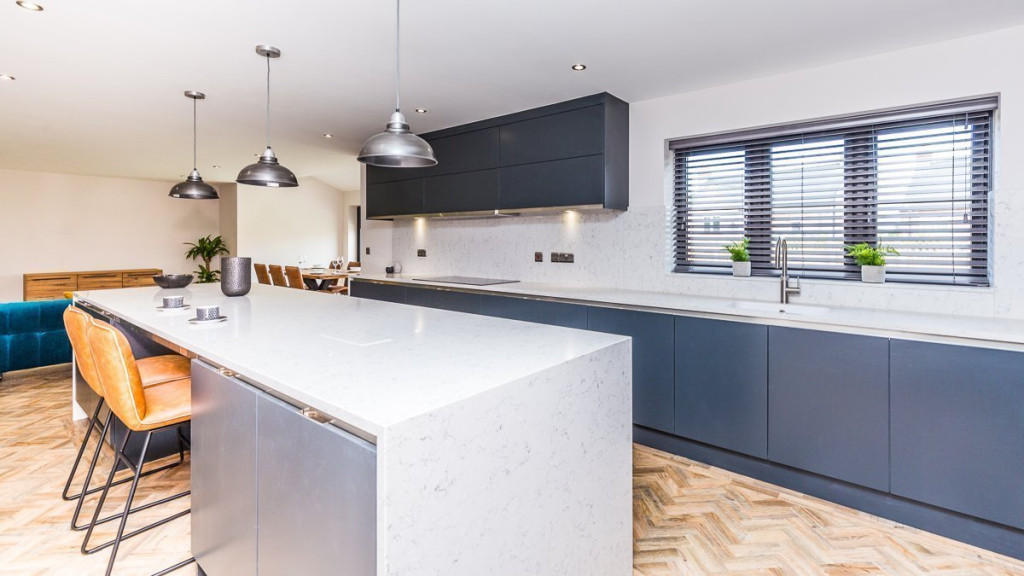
398, 56
194, 163
268, 101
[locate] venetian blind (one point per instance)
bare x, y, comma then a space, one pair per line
917, 179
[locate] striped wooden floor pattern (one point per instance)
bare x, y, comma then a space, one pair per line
689, 519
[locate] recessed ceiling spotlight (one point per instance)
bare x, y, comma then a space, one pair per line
6, 77
328, 135
215, 166
30, 6
421, 110
579, 67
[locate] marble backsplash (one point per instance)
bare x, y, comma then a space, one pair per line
630, 250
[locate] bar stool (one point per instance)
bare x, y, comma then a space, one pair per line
143, 410
153, 371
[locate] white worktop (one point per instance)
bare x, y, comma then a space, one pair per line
943, 326
369, 364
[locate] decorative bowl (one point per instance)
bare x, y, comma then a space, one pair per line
173, 280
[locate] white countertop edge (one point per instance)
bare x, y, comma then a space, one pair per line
996, 333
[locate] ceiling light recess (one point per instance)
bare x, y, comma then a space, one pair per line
266, 171
579, 67
29, 5
193, 188
420, 110
6, 77
397, 146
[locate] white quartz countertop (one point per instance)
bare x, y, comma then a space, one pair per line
366, 363
974, 330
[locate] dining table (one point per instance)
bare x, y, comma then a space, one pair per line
324, 278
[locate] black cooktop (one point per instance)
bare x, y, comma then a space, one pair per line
466, 280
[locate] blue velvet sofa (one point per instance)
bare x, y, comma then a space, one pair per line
32, 334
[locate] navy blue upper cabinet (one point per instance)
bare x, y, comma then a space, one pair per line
653, 384
572, 182
958, 428
399, 197
570, 154
463, 192
721, 379
553, 137
828, 409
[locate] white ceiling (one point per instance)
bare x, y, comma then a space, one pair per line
99, 84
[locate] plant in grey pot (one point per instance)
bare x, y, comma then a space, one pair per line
739, 253
871, 260
206, 249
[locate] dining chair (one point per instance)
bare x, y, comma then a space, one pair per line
294, 277
354, 264
277, 275
261, 273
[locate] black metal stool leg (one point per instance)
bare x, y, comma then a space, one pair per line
93, 423
103, 498
74, 519
181, 564
128, 503
88, 476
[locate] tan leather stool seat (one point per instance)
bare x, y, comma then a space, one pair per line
166, 404
160, 369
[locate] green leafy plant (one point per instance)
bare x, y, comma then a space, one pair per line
206, 249
738, 251
865, 254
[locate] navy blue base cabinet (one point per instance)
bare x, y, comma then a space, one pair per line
537, 311
722, 384
443, 299
958, 429
653, 370
828, 409
375, 291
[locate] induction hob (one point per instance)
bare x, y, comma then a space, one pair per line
466, 280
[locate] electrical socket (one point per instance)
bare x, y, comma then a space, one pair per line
367, 250
563, 257
422, 253
538, 256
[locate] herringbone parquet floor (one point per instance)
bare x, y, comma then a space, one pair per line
689, 519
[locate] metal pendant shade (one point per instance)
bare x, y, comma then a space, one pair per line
267, 171
397, 146
193, 188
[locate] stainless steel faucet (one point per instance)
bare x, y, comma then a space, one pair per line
782, 263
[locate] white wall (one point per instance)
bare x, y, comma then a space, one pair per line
58, 222
377, 238
631, 250
277, 225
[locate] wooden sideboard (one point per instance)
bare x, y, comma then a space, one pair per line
51, 285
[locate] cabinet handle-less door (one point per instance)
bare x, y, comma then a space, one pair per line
223, 472
317, 496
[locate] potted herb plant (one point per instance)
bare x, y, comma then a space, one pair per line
739, 253
206, 249
871, 260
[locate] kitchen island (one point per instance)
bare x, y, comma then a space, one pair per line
339, 435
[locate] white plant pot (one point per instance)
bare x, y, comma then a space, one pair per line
872, 274
741, 268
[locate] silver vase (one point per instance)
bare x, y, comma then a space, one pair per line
235, 275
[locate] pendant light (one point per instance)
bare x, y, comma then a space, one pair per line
267, 172
193, 187
396, 146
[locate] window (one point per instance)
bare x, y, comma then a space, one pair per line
917, 179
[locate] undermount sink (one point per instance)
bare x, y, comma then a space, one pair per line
776, 308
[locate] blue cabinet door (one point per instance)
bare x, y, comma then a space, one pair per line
570, 182
377, 291
721, 378
539, 311
317, 501
463, 192
828, 409
402, 197
958, 428
443, 299
653, 369
568, 134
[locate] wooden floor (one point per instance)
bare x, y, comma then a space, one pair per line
688, 518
